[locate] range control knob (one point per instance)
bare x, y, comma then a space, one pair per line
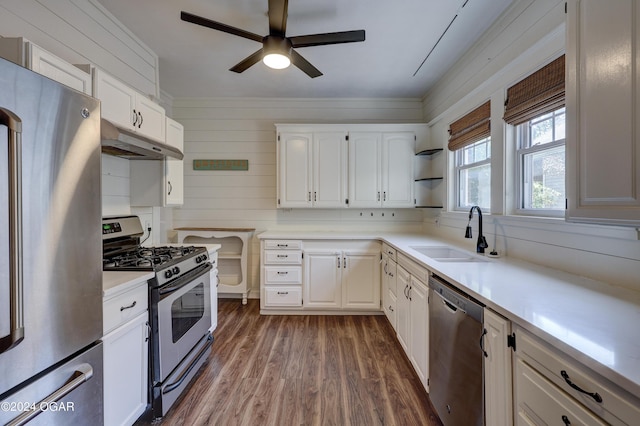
168, 273
201, 258
175, 270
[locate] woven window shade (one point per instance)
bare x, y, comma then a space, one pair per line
471, 128
539, 93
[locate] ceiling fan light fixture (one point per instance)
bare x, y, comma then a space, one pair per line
277, 52
277, 61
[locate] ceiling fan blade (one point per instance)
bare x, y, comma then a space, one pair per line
247, 62
198, 20
278, 17
327, 38
304, 65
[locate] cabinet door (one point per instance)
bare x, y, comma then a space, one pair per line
174, 168
56, 69
419, 329
398, 151
361, 280
117, 100
365, 169
603, 112
322, 275
497, 370
294, 169
151, 118
403, 308
125, 372
329, 169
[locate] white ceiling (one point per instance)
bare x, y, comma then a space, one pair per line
195, 61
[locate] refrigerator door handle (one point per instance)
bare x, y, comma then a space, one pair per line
16, 296
83, 373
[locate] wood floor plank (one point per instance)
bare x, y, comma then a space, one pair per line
302, 370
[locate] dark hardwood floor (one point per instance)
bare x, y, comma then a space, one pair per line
303, 370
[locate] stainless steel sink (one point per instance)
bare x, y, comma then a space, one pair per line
447, 254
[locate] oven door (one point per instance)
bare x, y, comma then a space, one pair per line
184, 317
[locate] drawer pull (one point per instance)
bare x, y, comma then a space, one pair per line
283, 292
596, 396
122, 308
282, 256
283, 245
283, 272
566, 421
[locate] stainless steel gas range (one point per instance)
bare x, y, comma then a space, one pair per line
179, 305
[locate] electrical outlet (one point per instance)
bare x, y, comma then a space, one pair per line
147, 224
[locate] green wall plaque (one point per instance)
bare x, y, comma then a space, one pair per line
220, 164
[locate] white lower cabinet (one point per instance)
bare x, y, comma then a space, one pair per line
498, 387
346, 279
126, 328
412, 315
552, 388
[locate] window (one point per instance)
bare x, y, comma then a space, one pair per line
470, 141
473, 175
540, 162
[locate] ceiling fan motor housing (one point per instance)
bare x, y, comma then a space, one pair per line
275, 44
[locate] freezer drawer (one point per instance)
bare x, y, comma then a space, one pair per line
69, 394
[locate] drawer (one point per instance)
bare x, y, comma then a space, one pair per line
618, 407
283, 257
539, 401
419, 272
124, 307
283, 244
282, 275
282, 296
389, 251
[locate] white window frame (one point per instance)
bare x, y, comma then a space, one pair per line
522, 135
457, 168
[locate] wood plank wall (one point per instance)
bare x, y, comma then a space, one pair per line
83, 32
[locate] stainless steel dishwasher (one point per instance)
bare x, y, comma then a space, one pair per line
456, 373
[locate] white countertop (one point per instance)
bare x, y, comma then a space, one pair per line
594, 322
115, 282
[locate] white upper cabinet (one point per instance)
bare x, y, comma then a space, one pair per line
174, 168
294, 169
159, 182
127, 108
603, 112
365, 174
398, 151
329, 169
311, 169
33, 57
381, 169
354, 165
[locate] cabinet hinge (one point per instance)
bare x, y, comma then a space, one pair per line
427, 382
511, 341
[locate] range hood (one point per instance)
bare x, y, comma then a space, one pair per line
130, 145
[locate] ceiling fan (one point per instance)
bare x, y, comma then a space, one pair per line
277, 49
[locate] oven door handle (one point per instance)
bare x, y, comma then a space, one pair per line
184, 280
185, 373
16, 296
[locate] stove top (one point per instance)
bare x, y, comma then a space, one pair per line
150, 258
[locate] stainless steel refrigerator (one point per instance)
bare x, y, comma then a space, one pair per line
50, 252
